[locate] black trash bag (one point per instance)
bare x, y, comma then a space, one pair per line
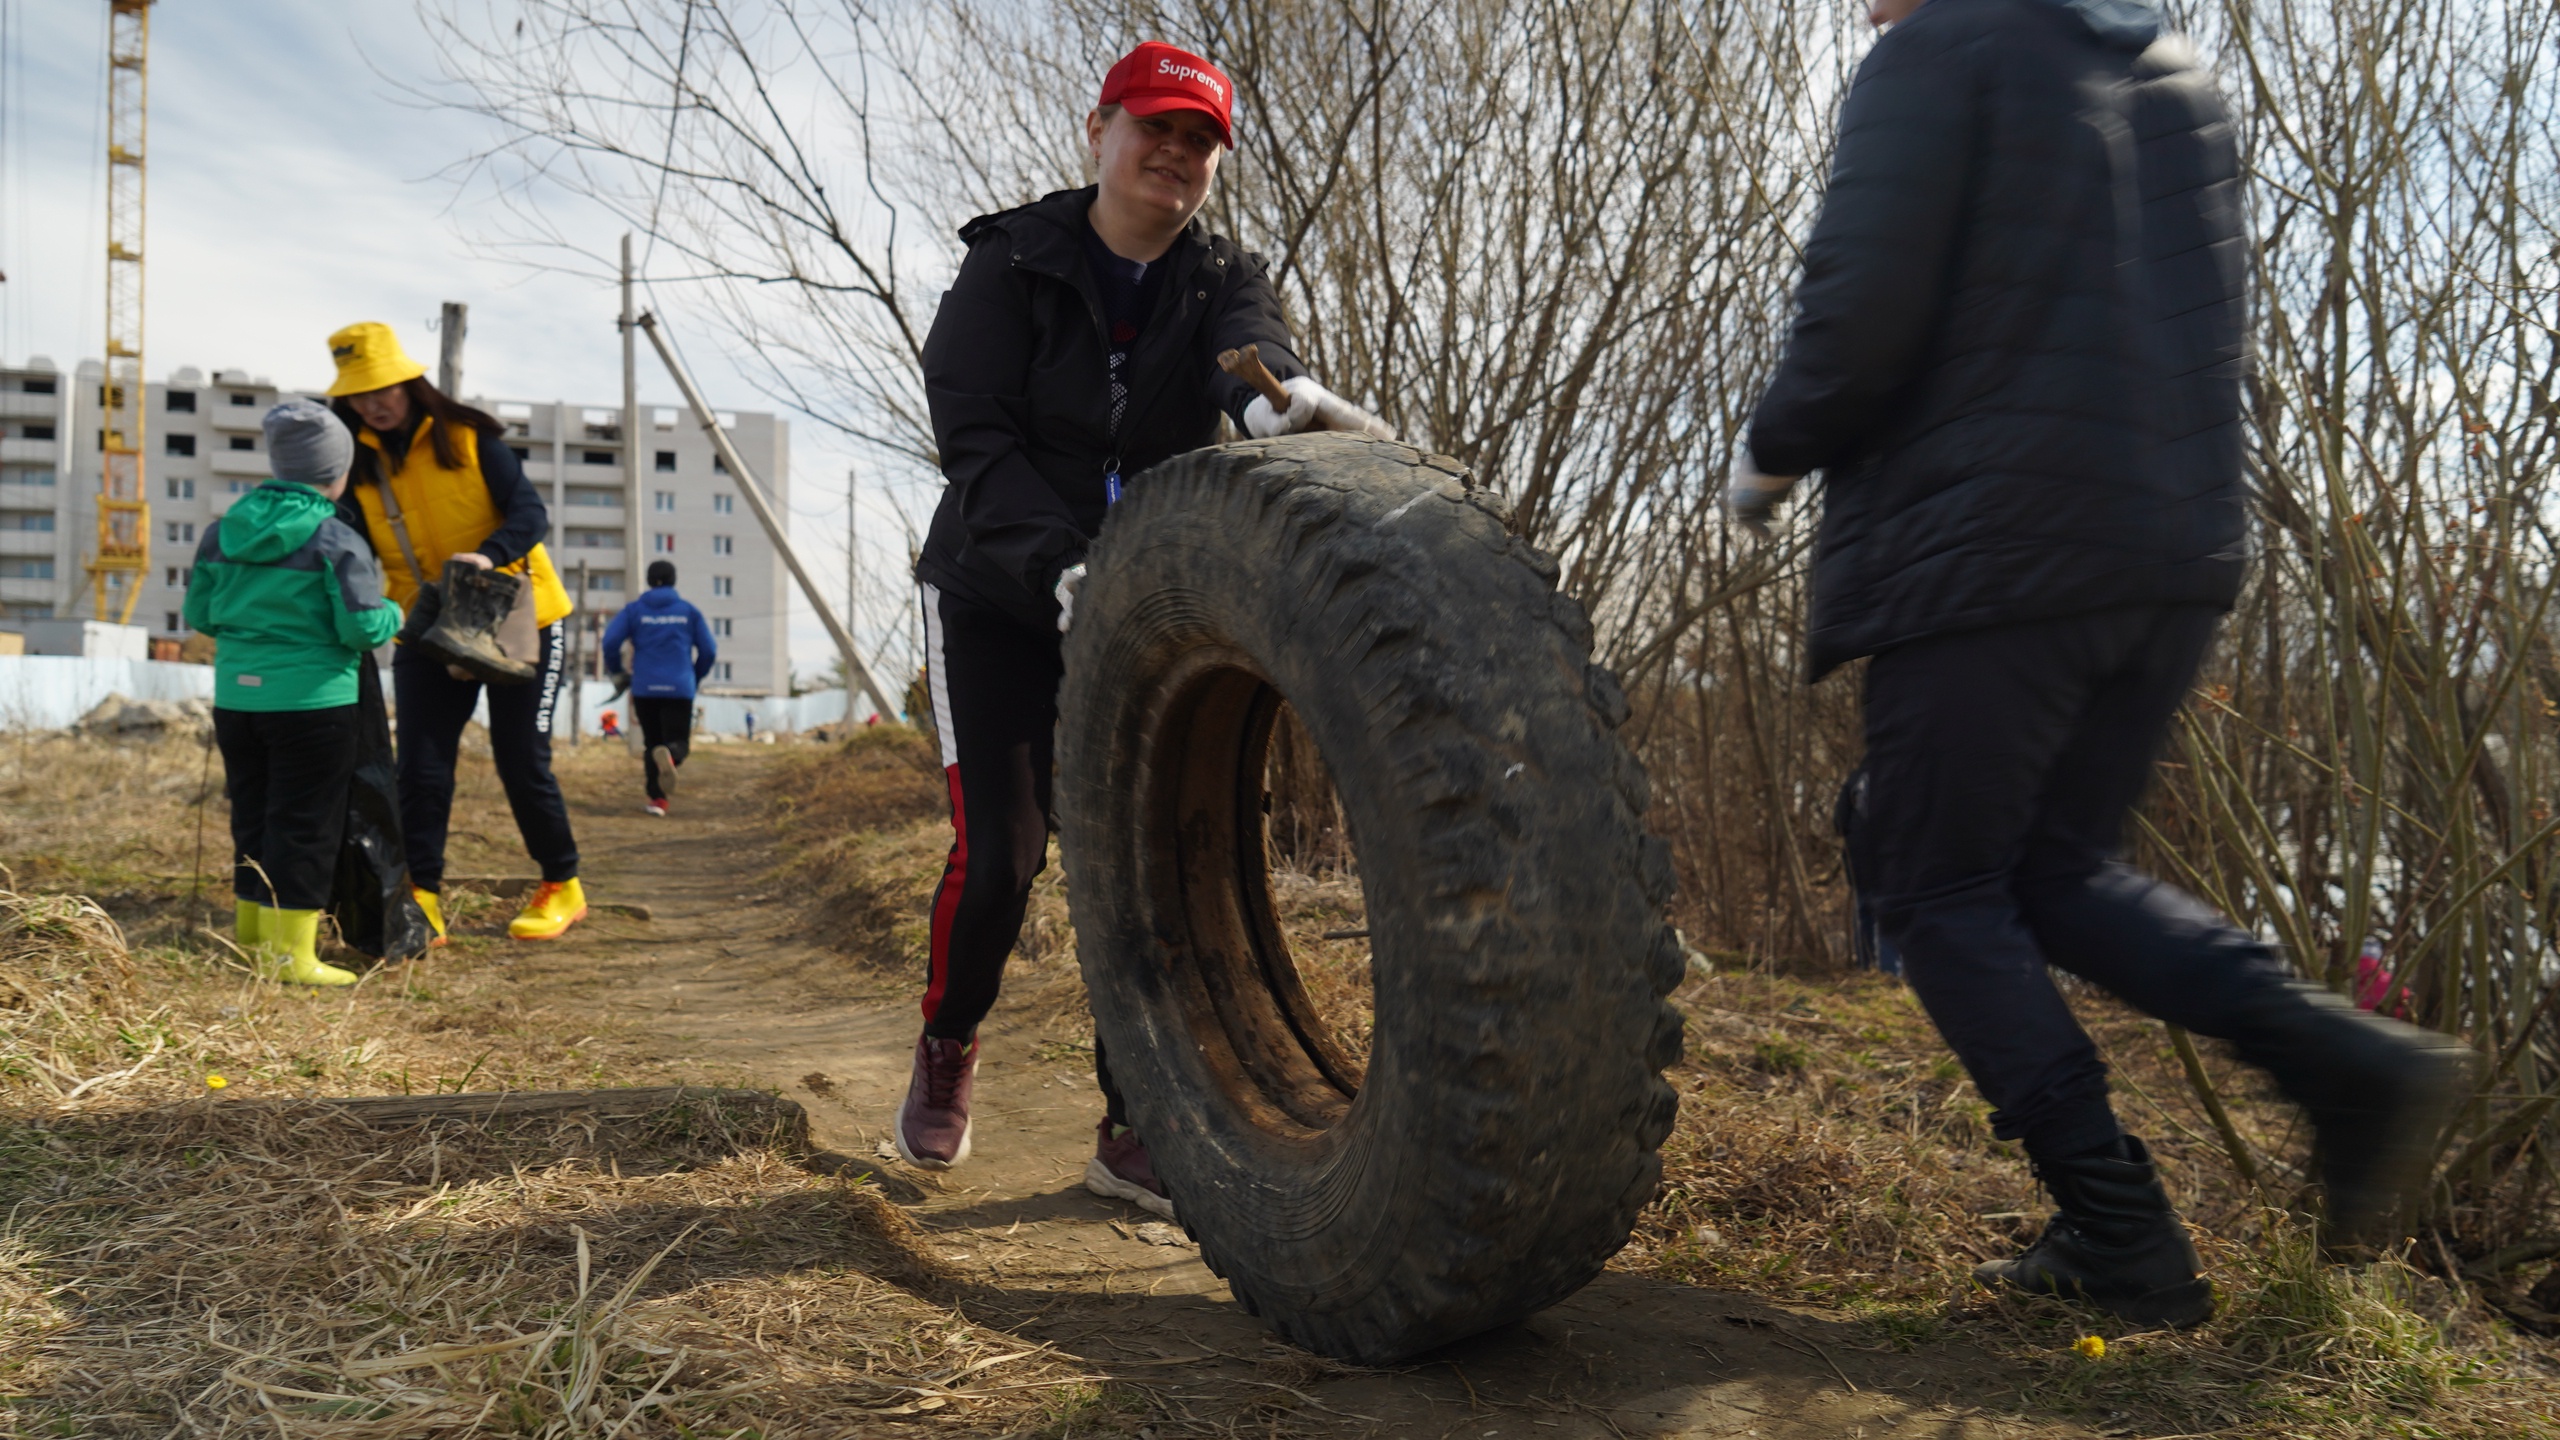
370, 896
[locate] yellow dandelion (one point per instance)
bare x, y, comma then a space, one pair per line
214, 1082
2091, 1347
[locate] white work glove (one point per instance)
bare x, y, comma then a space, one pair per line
1264, 423
1311, 407
1750, 497
1068, 581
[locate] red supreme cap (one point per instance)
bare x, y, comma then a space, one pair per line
1155, 78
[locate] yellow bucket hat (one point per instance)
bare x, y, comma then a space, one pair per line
369, 358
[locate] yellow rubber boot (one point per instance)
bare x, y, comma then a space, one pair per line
552, 910
244, 924
433, 904
289, 950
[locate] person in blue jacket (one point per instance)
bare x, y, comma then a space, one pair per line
671, 650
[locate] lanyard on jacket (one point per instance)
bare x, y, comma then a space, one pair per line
1111, 467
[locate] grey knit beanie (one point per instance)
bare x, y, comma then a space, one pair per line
306, 443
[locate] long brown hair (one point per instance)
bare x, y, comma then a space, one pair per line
425, 401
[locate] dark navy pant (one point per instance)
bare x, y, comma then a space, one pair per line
2001, 764
434, 708
663, 720
286, 774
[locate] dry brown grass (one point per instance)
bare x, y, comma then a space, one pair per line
110, 815
172, 1251
864, 827
1335, 972
289, 1271
1828, 1150
182, 1258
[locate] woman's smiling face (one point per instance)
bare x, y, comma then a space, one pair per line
1162, 163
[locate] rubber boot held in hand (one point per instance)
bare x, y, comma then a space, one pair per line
289, 949
2114, 1242
465, 633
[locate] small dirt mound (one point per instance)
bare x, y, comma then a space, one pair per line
863, 827
59, 950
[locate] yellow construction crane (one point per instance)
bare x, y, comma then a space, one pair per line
124, 510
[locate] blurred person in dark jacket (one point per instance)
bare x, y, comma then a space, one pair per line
2017, 359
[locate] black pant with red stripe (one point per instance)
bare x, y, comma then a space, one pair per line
995, 709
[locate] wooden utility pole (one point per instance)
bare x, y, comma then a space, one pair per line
636, 561
449, 334
852, 573
578, 661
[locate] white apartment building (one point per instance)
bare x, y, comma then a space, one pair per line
204, 446
38, 543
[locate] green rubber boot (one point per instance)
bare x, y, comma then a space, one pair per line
289, 950
244, 925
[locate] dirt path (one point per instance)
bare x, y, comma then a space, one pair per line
723, 973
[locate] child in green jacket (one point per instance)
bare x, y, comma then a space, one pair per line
296, 599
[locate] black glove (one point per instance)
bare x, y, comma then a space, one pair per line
621, 687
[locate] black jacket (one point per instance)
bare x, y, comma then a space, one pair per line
1014, 370
2018, 348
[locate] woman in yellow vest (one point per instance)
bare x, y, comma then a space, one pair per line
441, 471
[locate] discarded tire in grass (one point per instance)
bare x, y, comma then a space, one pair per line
1496, 1150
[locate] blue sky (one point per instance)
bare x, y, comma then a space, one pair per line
294, 189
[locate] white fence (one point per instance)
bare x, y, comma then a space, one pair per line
52, 692
722, 714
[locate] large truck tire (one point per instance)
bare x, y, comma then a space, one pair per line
1494, 1151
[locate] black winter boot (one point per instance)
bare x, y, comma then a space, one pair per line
2114, 1243
2379, 1092
465, 634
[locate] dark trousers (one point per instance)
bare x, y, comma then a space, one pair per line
433, 709
663, 720
286, 773
2001, 764
995, 709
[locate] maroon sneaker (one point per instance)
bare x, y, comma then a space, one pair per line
933, 1125
1121, 1170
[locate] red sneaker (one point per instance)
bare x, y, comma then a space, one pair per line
1120, 1170
933, 1124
